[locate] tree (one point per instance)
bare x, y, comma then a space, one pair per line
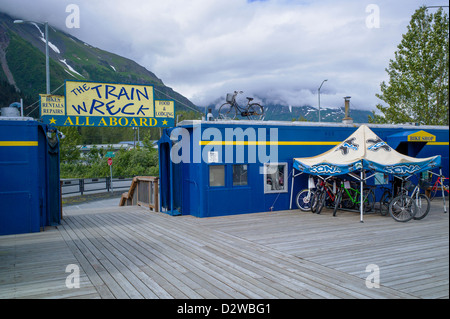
417, 90
69, 152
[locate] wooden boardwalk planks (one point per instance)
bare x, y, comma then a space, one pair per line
34, 266
129, 252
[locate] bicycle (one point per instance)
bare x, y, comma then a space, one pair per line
349, 198
422, 201
230, 109
403, 207
304, 199
439, 185
385, 200
386, 197
324, 192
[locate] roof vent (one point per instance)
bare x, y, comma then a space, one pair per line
347, 119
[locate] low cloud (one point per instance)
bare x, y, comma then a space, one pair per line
277, 50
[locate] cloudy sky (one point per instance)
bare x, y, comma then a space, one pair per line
280, 50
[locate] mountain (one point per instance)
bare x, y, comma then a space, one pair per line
22, 58
278, 112
22, 73
311, 114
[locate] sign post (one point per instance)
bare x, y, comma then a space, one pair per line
110, 170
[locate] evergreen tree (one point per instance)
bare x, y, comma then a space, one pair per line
417, 90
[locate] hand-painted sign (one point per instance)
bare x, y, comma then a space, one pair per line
52, 105
108, 105
421, 136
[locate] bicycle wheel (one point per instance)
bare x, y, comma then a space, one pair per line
227, 112
315, 200
384, 203
437, 187
347, 199
433, 191
255, 111
369, 199
337, 202
321, 202
423, 206
304, 199
402, 208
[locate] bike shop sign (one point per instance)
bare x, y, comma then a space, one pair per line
107, 105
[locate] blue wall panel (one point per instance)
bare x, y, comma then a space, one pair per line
200, 200
28, 199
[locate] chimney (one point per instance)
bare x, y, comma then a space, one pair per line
347, 119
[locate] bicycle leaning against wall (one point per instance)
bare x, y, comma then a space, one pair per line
314, 197
349, 197
230, 109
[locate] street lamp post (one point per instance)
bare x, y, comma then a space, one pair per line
319, 95
47, 62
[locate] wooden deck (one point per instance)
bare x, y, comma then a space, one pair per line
129, 252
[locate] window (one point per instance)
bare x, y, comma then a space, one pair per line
275, 178
240, 175
216, 175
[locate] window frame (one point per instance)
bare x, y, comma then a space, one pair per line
232, 176
224, 176
285, 178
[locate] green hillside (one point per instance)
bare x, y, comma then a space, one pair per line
22, 56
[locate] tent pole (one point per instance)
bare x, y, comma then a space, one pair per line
442, 190
361, 205
292, 188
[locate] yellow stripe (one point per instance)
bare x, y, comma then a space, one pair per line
229, 143
438, 143
18, 143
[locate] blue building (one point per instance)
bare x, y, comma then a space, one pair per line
30, 197
216, 168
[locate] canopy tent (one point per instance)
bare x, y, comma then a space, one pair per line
361, 151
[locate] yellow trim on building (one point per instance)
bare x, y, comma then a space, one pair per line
18, 143
438, 143
229, 143
234, 143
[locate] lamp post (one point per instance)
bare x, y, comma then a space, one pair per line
319, 95
47, 64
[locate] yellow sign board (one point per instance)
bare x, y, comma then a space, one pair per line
107, 104
164, 109
108, 99
421, 136
52, 105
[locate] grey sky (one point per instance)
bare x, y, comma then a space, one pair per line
276, 49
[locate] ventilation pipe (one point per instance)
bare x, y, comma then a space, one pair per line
347, 119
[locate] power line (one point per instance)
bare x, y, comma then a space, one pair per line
178, 101
40, 99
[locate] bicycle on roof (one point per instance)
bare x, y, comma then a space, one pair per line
230, 109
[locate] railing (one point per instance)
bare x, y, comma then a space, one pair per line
85, 185
143, 192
